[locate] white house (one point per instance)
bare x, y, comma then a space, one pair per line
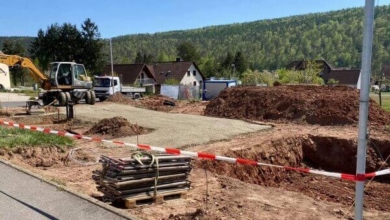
184, 72
5, 79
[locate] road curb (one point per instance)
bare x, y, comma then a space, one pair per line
103, 205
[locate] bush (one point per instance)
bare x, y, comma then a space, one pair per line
332, 81
250, 77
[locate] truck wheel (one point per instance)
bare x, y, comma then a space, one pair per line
68, 97
93, 97
88, 97
45, 99
136, 96
61, 98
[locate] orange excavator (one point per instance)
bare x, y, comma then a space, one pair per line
66, 81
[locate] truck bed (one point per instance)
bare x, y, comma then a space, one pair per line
129, 89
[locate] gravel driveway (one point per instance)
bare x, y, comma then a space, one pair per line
171, 130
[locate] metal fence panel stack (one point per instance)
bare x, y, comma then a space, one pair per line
135, 179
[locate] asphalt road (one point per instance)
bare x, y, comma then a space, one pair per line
25, 197
13, 99
13, 104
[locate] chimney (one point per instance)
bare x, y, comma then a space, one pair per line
178, 59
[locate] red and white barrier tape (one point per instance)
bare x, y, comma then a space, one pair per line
202, 155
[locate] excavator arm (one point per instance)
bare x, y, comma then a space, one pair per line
15, 60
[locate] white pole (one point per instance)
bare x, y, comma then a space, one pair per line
364, 102
112, 69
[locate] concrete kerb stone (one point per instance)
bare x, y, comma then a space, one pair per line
73, 192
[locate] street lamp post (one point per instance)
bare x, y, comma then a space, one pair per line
112, 69
234, 70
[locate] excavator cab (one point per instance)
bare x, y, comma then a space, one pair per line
65, 75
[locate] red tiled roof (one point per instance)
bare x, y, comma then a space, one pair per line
129, 72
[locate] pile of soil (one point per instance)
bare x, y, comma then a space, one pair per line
328, 153
116, 127
157, 103
324, 105
122, 99
36, 156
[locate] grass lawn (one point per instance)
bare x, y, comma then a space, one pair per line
385, 100
14, 137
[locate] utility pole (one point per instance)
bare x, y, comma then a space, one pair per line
363, 106
112, 70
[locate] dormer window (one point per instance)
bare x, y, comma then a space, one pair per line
194, 72
188, 73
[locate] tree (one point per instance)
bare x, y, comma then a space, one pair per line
240, 62
188, 52
67, 43
139, 58
92, 54
162, 57
147, 58
39, 49
228, 62
18, 74
208, 67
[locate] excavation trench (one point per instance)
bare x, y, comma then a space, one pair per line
310, 151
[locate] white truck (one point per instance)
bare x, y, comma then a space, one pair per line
105, 86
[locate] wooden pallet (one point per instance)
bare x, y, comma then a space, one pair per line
132, 202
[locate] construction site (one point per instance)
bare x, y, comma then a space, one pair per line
304, 127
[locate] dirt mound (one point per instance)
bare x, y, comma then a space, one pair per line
36, 156
322, 105
116, 127
157, 103
119, 98
320, 152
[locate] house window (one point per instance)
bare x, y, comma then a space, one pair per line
200, 82
188, 73
194, 72
194, 83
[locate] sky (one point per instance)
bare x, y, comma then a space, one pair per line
121, 17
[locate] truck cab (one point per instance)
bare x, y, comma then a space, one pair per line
105, 86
